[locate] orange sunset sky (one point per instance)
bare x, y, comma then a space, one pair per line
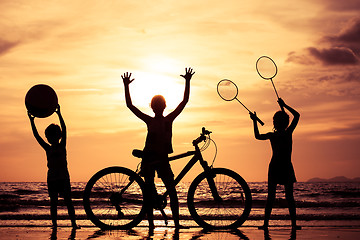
81, 48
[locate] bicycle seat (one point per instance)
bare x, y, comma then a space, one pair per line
138, 153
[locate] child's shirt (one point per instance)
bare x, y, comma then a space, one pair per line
57, 163
281, 144
159, 136
281, 170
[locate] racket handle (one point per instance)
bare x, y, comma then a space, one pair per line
261, 122
253, 115
281, 106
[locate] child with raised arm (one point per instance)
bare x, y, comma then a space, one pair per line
281, 170
58, 178
159, 144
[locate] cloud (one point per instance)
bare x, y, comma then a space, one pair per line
352, 76
344, 5
334, 55
351, 33
6, 46
340, 49
348, 37
300, 58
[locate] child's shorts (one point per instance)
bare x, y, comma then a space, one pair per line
60, 188
151, 163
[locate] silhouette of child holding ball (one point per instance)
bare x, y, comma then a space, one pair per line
159, 144
281, 170
58, 178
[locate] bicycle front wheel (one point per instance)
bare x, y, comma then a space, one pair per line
228, 208
113, 198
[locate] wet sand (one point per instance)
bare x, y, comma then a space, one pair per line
311, 232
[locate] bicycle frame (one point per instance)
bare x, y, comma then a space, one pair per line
210, 194
197, 157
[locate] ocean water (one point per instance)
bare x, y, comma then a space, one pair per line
27, 204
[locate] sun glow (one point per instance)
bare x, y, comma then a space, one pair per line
147, 85
161, 77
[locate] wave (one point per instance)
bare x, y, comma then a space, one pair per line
282, 203
26, 191
10, 203
22, 196
349, 193
284, 216
9, 196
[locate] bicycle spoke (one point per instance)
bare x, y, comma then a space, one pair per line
114, 201
230, 211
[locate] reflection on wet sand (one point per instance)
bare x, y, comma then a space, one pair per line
170, 233
192, 234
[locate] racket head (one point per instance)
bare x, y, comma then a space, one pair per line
266, 67
227, 90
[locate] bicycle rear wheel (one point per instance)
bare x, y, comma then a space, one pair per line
233, 207
113, 198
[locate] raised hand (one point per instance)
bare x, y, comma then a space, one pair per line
126, 78
188, 74
281, 103
31, 117
253, 116
57, 110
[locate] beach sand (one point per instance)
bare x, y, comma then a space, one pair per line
318, 233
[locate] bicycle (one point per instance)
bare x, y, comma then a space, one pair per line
218, 198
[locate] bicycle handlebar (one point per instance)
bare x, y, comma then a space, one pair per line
202, 137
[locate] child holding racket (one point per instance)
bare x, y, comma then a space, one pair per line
281, 170
58, 178
158, 145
